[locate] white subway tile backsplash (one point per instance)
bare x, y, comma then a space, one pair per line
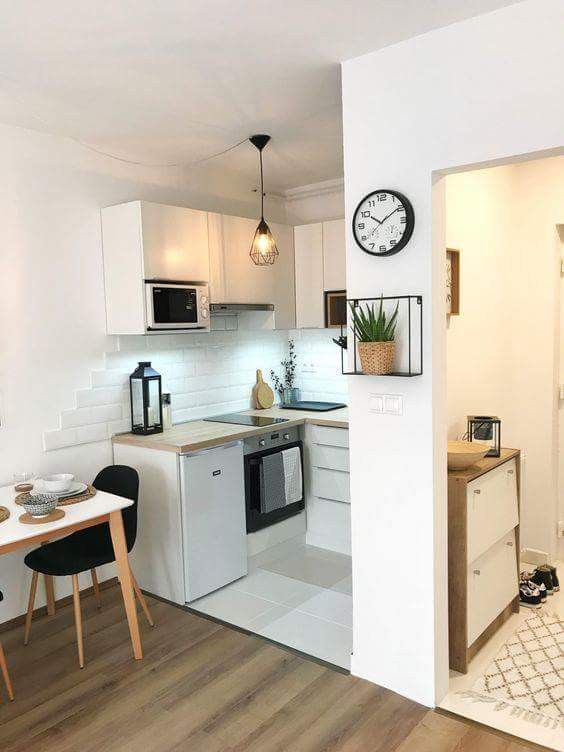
206, 374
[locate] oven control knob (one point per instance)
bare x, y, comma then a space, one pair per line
286, 437
262, 442
204, 299
205, 313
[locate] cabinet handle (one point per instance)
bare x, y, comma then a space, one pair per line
477, 491
477, 571
509, 543
510, 472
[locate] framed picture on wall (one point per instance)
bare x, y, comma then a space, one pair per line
452, 282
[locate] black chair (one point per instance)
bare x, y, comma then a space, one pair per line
88, 549
4, 666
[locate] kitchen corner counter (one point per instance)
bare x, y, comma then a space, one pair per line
200, 434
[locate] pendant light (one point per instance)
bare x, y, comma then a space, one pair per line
263, 249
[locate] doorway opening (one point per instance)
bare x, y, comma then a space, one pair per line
505, 241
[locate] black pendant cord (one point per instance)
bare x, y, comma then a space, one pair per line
261, 188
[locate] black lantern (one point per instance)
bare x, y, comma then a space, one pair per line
487, 430
146, 400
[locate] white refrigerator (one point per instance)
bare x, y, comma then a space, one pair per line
213, 518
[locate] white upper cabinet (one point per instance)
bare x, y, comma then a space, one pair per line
334, 257
308, 244
320, 266
236, 279
142, 240
175, 243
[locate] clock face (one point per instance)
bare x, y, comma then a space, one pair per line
383, 222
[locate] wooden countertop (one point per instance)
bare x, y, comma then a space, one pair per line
483, 466
200, 434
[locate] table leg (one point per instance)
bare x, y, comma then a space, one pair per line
124, 572
50, 594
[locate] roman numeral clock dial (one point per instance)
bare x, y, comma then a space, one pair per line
383, 222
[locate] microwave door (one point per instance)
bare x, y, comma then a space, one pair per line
174, 307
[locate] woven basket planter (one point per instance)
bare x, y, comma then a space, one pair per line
377, 357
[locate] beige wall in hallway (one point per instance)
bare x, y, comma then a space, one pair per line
503, 350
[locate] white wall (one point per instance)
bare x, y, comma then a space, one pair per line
481, 90
503, 350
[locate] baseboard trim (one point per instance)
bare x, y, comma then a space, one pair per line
60, 602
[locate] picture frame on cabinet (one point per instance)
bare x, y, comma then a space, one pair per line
452, 282
335, 307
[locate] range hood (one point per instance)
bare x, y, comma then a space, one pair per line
226, 309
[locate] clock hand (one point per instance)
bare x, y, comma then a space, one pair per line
390, 214
376, 220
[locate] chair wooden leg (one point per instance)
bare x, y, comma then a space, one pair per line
96, 587
6, 675
49, 594
142, 601
31, 603
78, 619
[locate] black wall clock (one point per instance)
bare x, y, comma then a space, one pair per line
383, 222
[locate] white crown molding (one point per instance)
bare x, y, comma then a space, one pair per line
315, 189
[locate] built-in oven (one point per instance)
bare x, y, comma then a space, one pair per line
176, 306
274, 486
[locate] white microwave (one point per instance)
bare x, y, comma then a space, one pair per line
176, 306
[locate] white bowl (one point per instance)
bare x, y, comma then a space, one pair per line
58, 482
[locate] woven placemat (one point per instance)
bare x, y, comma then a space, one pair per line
28, 519
64, 501
4, 514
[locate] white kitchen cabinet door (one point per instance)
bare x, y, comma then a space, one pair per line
175, 243
334, 257
217, 258
245, 282
308, 248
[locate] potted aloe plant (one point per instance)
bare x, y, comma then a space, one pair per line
375, 333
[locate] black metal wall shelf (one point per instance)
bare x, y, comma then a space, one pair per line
409, 335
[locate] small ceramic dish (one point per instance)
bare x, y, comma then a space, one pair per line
40, 505
58, 482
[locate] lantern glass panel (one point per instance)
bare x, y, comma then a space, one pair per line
137, 403
153, 407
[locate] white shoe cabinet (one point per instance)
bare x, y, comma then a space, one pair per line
483, 548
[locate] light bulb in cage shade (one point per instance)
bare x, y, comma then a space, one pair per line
263, 248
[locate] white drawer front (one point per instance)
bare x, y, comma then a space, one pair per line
328, 524
332, 458
492, 508
492, 585
338, 437
330, 484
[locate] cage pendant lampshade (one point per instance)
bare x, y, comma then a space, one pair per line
263, 248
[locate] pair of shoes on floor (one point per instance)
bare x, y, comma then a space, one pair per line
534, 587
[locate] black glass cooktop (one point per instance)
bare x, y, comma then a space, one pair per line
246, 420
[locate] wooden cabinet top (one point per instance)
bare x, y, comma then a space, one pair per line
483, 466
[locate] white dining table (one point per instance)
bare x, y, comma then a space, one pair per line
103, 507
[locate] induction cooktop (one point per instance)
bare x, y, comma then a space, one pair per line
246, 420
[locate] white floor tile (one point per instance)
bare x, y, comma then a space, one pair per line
232, 606
277, 588
331, 606
344, 586
309, 566
322, 639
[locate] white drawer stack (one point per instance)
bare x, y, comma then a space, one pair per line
483, 553
328, 488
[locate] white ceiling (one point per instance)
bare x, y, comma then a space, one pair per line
180, 79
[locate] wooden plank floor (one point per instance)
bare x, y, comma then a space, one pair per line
202, 687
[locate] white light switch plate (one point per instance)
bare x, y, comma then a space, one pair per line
376, 403
390, 404
393, 404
